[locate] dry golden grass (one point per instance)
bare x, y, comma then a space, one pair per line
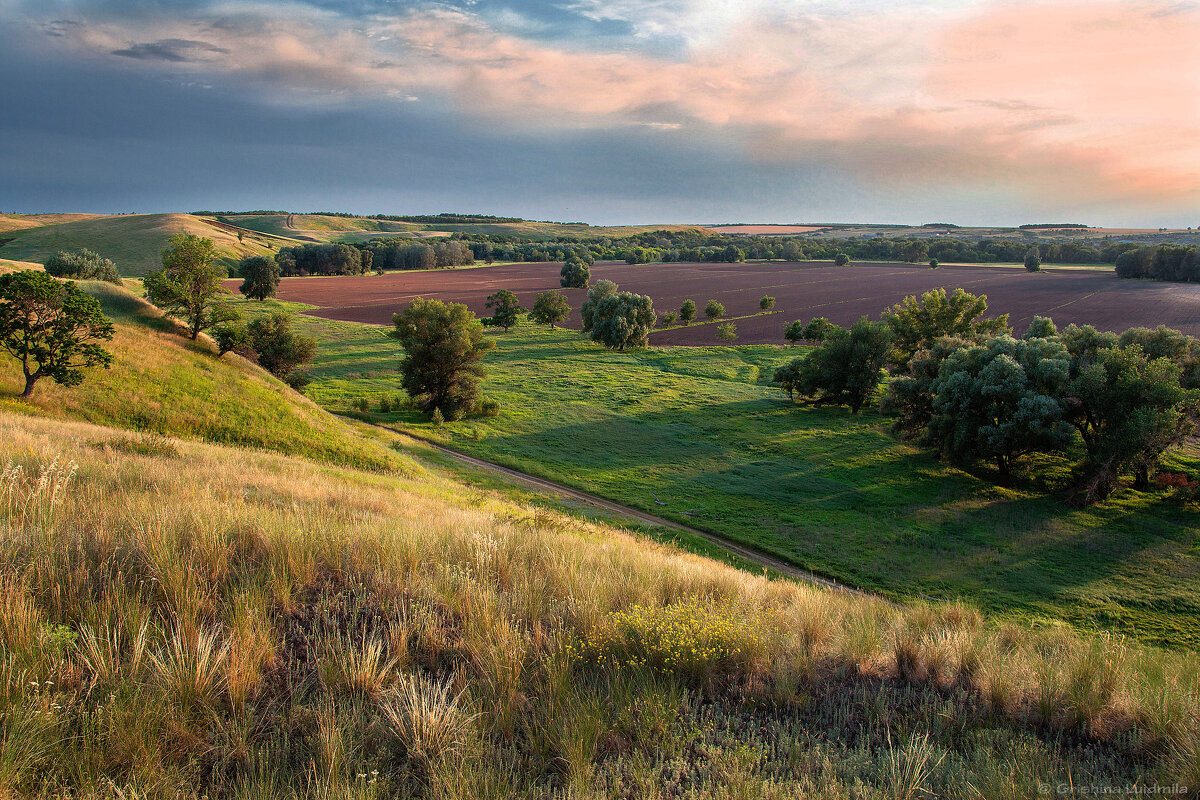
196, 620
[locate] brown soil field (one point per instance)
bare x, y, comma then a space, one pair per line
764, 230
802, 291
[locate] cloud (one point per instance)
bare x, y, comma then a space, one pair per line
176, 50
1056, 99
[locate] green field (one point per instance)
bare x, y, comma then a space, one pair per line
698, 435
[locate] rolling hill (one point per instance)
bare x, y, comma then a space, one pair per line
133, 241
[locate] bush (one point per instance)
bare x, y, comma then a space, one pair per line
1033, 260
687, 312
668, 319
933, 263
82, 265
488, 408
727, 332
794, 332
713, 309
766, 303
231, 337
841, 260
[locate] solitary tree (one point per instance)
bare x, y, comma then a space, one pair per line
280, 349
687, 312
623, 320
794, 332
713, 309
260, 277
189, 284
51, 327
846, 369
819, 329
841, 259
727, 332
1033, 259
766, 303
933, 263
550, 308
505, 309
444, 347
917, 323
575, 273
601, 290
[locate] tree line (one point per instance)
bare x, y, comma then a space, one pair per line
970, 389
1163, 263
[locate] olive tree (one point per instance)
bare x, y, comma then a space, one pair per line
51, 327
82, 265
601, 290
444, 347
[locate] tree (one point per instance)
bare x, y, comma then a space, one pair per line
82, 265
260, 277
444, 347
189, 284
713, 309
1033, 259
575, 273
549, 308
51, 327
999, 401
818, 330
841, 260
917, 323
933, 263
595, 294
766, 303
727, 332
505, 309
794, 332
687, 312
1129, 409
1040, 328
788, 377
280, 349
668, 319
231, 336
623, 320
846, 369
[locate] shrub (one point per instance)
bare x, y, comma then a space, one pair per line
280, 349
488, 408
668, 319
687, 312
794, 332
727, 332
1033, 259
766, 303
231, 337
82, 265
713, 309
841, 260
933, 263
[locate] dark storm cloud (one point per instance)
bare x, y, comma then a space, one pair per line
176, 50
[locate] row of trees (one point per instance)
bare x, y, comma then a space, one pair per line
967, 388
398, 253
323, 259
1163, 263
82, 265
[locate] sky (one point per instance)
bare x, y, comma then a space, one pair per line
608, 111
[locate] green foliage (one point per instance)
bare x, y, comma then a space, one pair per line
794, 332
917, 323
687, 311
1033, 259
550, 307
575, 273
82, 265
766, 303
260, 277
601, 290
623, 320
818, 329
727, 332
505, 309
713, 309
841, 260
280, 349
1040, 328
1000, 401
1129, 409
189, 284
444, 346
51, 327
934, 263
437, 417
668, 319
846, 369
231, 336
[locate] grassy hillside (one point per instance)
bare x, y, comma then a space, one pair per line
162, 383
698, 435
133, 241
192, 621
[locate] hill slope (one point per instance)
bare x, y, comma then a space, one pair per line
161, 382
134, 241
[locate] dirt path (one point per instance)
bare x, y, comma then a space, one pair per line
750, 554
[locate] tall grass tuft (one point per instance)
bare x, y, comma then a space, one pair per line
191, 669
428, 719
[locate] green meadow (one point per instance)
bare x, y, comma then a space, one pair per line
699, 435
